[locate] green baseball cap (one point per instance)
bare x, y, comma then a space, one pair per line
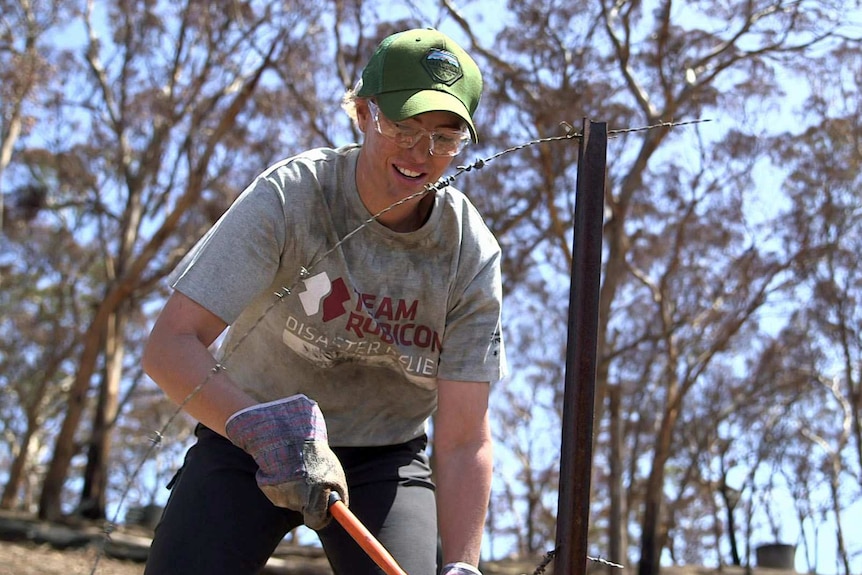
422, 70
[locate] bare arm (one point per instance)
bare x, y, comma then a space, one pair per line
177, 358
464, 459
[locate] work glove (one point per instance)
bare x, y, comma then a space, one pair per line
288, 441
459, 569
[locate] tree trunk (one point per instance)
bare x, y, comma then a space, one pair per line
729, 498
651, 539
16, 472
835, 489
65, 447
617, 533
94, 496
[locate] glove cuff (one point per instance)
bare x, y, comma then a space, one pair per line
294, 419
460, 568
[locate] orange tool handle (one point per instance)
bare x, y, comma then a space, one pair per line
363, 536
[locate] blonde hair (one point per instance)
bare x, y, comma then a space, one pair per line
348, 102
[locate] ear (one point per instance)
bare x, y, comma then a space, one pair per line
363, 113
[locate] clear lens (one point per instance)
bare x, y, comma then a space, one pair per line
443, 142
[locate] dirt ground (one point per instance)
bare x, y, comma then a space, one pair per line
32, 547
27, 558
29, 546
21, 557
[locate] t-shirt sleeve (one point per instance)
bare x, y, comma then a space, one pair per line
473, 348
238, 257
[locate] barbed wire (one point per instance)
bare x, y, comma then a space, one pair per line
550, 555
304, 272
605, 562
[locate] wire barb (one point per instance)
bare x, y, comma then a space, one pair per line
156, 438
550, 555
659, 125
283, 292
605, 562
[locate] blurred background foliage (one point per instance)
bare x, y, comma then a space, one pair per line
728, 396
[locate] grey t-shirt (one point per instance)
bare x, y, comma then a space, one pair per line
368, 326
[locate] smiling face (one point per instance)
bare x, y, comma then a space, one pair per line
387, 173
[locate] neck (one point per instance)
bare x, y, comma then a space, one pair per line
406, 217
409, 216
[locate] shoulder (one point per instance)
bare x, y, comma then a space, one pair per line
306, 173
474, 228
316, 161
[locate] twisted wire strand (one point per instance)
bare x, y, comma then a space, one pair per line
304, 271
550, 555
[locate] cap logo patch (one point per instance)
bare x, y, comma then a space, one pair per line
442, 66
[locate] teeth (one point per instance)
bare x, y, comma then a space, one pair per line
408, 173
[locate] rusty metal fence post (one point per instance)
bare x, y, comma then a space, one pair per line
573, 508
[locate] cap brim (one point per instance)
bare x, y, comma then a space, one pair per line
403, 104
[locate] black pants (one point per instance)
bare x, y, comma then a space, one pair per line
217, 520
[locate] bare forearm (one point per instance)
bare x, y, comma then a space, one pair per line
178, 359
463, 490
188, 374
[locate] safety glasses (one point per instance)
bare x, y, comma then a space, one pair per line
444, 142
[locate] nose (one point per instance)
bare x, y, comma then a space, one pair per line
421, 149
